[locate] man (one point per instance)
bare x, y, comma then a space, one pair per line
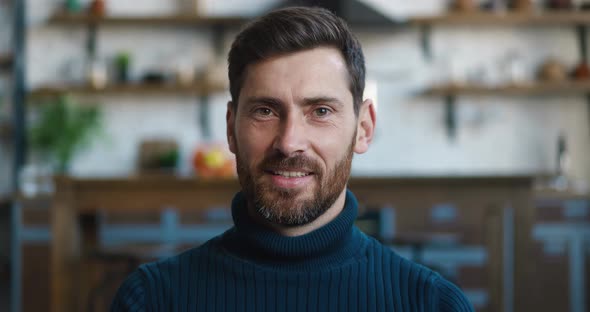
295, 119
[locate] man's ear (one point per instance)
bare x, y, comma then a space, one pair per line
365, 126
230, 119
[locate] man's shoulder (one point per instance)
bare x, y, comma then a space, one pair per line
180, 262
154, 283
414, 279
448, 297
384, 252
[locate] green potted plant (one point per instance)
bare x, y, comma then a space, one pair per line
61, 128
122, 61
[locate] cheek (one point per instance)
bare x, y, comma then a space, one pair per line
332, 147
253, 142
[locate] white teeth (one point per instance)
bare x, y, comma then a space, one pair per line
291, 174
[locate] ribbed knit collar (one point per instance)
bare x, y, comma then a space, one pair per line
332, 243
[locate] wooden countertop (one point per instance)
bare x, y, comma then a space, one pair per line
170, 181
78, 200
163, 183
546, 193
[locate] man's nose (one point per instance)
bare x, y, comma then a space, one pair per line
291, 138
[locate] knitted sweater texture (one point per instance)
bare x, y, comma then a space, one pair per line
252, 268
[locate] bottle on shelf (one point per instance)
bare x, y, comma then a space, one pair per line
464, 6
552, 70
581, 72
122, 67
97, 75
559, 4
561, 181
523, 5
73, 6
98, 8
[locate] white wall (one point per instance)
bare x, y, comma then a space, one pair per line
496, 135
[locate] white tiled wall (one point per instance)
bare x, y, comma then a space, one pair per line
496, 135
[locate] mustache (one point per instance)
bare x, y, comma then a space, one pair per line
280, 162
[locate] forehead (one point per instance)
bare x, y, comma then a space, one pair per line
318, 72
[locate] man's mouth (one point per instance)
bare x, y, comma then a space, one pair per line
291, 174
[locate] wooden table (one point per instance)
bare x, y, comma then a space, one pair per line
488, 196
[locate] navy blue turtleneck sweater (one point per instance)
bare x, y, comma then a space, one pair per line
252, 268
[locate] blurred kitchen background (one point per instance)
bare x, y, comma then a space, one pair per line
113, 152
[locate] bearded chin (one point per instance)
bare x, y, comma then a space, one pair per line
281, 207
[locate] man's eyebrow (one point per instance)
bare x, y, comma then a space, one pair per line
306, 101
322, 99
263, 100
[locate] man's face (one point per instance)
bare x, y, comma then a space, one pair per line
293, 132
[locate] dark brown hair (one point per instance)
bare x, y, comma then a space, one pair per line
290, 30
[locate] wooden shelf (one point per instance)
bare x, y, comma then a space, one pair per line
483, 18
135, 89
172, 20
541, 88
508, 18
475, 18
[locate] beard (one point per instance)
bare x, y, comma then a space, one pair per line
278, 205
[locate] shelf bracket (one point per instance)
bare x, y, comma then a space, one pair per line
91, 42
425, 42
218, 43
218, 40
582, 31
450, 116
204, 120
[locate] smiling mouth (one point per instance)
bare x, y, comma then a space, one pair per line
290, 174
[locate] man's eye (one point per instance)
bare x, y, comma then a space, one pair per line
264, 111
322, 111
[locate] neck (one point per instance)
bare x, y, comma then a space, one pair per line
331, 244
292, 231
